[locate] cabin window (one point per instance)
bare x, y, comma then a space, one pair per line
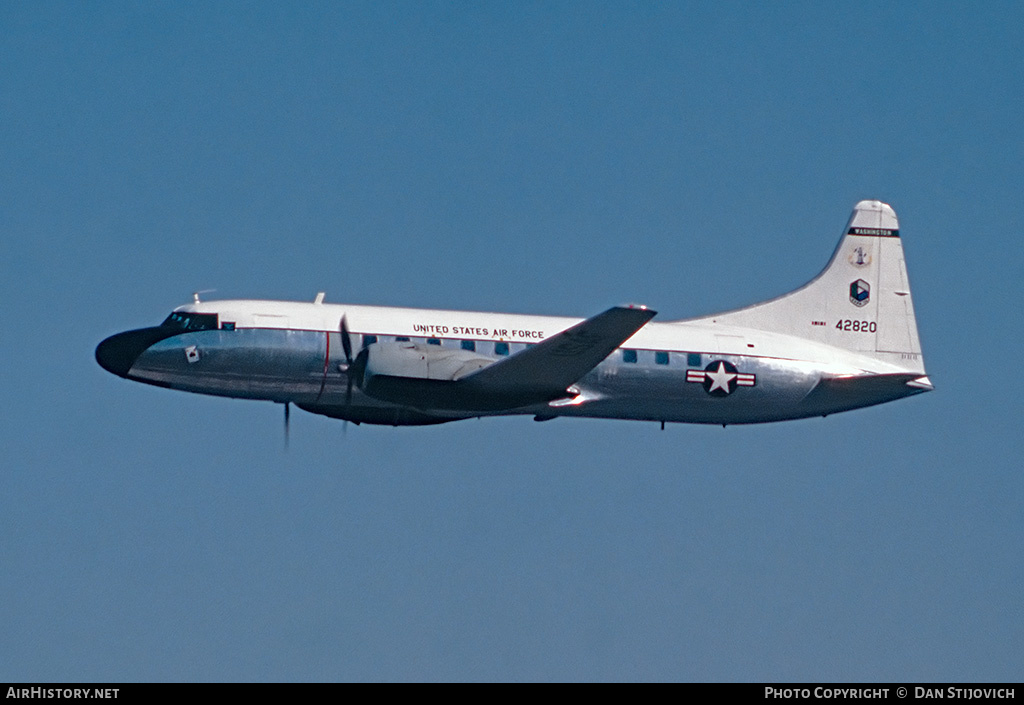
369, 340
629, 355
433, 341
501, 348
469, 345
661, 358
401, 339
693, 359
227, 325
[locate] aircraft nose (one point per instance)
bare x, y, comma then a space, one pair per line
119, 352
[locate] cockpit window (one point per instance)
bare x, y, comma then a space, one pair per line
184, 320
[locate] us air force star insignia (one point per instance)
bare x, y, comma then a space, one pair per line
721, 378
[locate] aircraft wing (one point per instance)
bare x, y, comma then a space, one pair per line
549, 367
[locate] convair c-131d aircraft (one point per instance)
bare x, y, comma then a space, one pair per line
845, 340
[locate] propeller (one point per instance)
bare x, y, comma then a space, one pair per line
346, 345
352, 368
346, 339
287, 422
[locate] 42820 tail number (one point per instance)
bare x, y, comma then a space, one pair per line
857, 326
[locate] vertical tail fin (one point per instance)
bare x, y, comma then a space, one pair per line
861, 300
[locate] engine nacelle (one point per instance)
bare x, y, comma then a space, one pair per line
431, 378
416, 361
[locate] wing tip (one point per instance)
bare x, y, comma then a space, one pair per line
638, 307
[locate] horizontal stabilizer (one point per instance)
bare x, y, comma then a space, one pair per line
855, 391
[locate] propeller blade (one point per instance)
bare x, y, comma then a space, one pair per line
359, 366
346, 340
287, 422
355, 374
353, 369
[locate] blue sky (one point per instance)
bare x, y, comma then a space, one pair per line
550, 158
